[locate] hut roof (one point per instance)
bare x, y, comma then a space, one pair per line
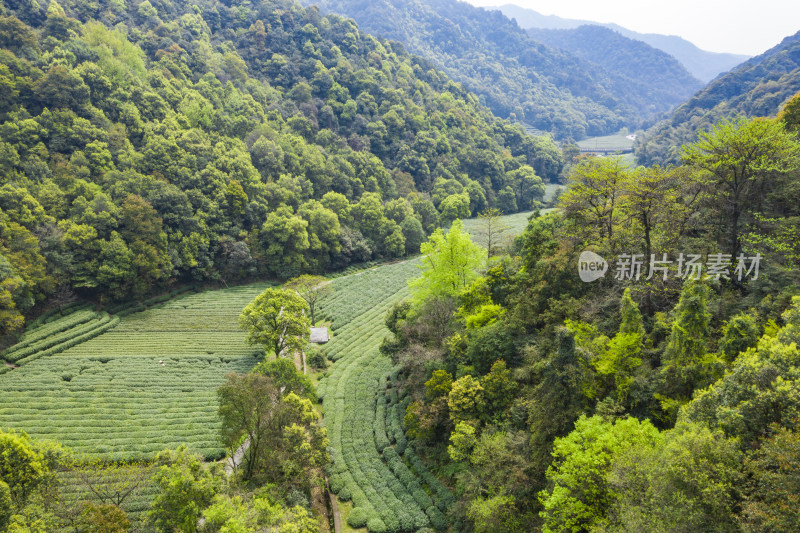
319, 335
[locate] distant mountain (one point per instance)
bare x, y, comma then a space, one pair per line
759, 87
549, 89
703, 65
636, 60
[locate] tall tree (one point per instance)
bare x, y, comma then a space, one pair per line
689, 481
593, 196
450, 263
687, 363
284, 439
278, 319
624, 351
578, 494
183, 489
286, 377
22, 467
658, 202
249, 405
490, 229
557, 396
312, 289
739, 156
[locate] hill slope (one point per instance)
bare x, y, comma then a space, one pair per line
760, 87
550, 89
652, 70
703, 65
207, 142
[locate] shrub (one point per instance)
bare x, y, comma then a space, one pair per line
401, 444
422, 498
358, 517
420, 520
406, 521
438, 520
337, 483
317, 359
376, 525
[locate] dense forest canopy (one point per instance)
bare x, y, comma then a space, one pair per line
651, 71
149, 143
156, 144
550, 89
653, 398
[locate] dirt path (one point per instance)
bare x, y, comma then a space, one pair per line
299, 361
337, 519
232, 463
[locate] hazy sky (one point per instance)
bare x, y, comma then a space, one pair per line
738, 26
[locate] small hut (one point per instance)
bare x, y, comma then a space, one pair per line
319, 335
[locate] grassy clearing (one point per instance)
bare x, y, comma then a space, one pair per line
516, 224
550, 190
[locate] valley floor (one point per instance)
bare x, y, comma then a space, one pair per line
150, 382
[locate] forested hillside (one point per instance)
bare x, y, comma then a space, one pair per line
702, 64
631, 362
650, 70
625, 361
549, 89
165, 142
759, 87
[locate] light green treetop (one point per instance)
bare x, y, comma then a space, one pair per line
737, 156
579, 494
450, 263
278, 319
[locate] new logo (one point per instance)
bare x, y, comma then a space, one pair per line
591, 266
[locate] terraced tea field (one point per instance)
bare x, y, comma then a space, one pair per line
607, 142
133, 481
373, 465
148, 382
145, 385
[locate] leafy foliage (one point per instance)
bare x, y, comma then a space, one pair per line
638, 397
550, 89
218, 143
580, 495
277, 319
450, 264
284, 440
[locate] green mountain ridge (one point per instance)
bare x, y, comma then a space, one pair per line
702, 64
760, 87
549, 89
655, 72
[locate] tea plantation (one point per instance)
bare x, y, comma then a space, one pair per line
127, 383
146, 384
373, 466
